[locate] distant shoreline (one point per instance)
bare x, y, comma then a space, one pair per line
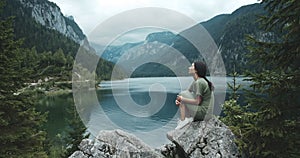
57, 92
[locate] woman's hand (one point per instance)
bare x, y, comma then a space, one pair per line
195, 101
177, 102
179, 98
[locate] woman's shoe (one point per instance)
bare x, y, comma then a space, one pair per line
182, 124
190, 119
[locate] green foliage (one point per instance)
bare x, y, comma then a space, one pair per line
30, 52
269, 125
104, 70
242, 22
34, 34
51, 53
185, 47
160, 70
20, 124
64, 142
56, 147
229, 31
75, 134
234, 112
234, 87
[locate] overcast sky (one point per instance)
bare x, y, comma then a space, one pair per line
90, 13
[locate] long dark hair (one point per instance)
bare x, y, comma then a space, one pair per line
201, 70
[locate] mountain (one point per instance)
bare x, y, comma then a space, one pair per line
52, 38
165, 37
227, 30
42, 25
113, 53
49, 15
230, 34
155, 49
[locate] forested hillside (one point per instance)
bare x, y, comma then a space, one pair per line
229, 32
34, 53
51, 52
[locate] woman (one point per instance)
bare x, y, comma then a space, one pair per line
198, 100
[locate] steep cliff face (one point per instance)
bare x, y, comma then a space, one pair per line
49, 15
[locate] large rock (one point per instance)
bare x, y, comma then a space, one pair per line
210, 139
115, 144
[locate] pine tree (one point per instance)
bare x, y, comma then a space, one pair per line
76, 132
20, 132
233, 111
271, 122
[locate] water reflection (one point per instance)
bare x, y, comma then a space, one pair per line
100, 111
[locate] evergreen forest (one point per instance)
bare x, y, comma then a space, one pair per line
267, 125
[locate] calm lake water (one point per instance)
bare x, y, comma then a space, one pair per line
141, 106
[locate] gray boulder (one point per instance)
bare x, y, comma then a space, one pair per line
115, 144
211, 139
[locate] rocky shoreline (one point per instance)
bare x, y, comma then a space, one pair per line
211, 139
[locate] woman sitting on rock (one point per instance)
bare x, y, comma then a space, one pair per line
196, 103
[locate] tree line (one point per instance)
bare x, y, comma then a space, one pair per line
266, 127
269, 124
25, 58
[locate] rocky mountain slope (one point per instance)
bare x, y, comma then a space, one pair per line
227, 30
53, 38
48, 14
41, 25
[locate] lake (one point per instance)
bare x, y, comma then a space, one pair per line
142, 106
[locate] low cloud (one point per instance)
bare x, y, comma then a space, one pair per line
90, 14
